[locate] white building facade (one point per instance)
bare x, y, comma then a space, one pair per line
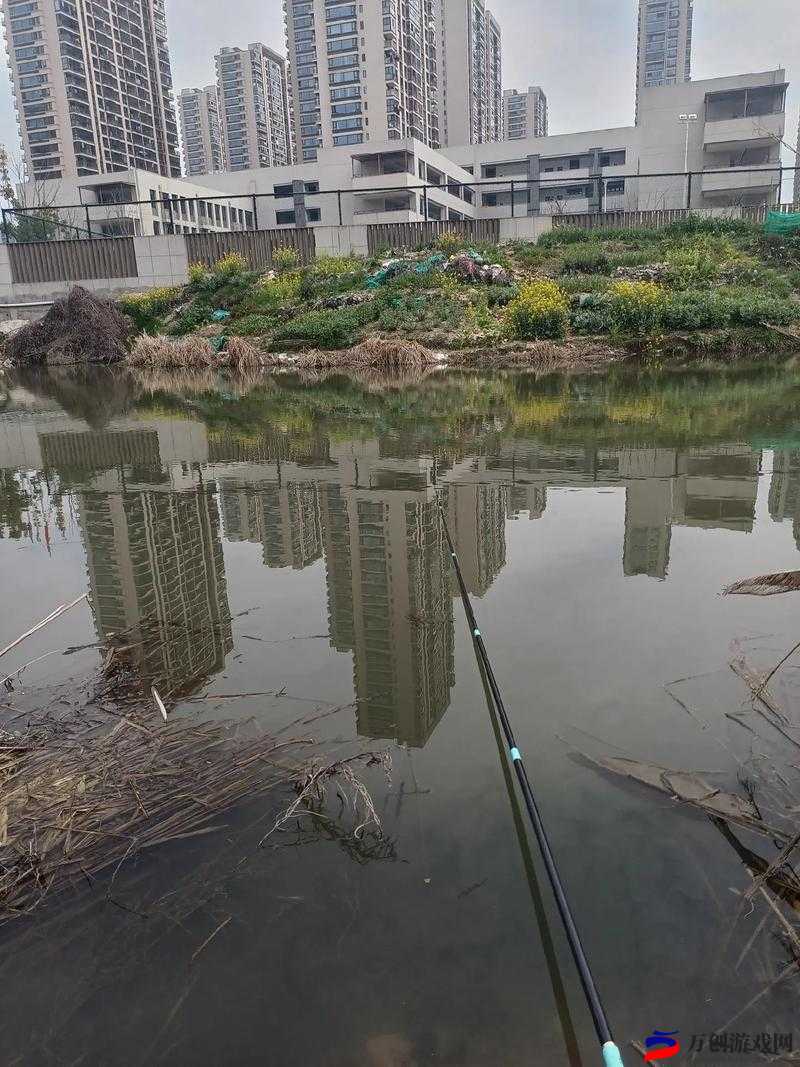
524, 114
733, 157
92, 86
362, 72
201, 131
664, 53
253, 91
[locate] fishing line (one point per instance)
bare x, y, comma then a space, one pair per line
551, 958
611, 1053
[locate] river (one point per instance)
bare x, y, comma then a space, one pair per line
282, 536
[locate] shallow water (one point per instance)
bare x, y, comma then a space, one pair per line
283, 537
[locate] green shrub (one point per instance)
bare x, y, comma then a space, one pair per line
230, 265
794, 280
592, 320
753, 308
253, 326
540, 311
195, 315
328, 329
337, 266
643, 257
690, 267
528, 254
500, 295
285, 259
785, 251
585, 283
449, 243
144, 308
698, 224
636, 307
584, 259
695, 311
197, 274
563, 235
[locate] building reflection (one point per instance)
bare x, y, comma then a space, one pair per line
784, 489
154, 556
154, 500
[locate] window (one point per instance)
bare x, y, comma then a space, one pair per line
340, 77
490, 199
348, 44
346, 109
346, 124
285, 218
616, 187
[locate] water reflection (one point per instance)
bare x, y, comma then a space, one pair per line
154, 498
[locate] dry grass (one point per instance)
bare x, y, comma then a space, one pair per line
385, 354
191, 351
243, 355
74, 801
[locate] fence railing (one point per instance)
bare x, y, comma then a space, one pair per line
502, 196
256, 248
53, 261
410, 236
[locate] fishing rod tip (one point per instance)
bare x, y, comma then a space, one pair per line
611, 1055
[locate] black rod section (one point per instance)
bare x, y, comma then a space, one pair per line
599, 1017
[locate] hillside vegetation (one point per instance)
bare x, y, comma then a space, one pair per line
717, 282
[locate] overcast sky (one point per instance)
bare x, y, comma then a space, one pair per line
582, 52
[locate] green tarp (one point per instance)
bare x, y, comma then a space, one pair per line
782, 224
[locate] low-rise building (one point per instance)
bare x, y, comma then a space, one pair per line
728, 156
138, 203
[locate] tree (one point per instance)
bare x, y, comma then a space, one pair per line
38, 217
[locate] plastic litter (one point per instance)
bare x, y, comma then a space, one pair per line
219, 315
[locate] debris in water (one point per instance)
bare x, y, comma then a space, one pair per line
765, 585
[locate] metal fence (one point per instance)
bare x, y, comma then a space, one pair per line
55, 261
410, 236
504, 196
255, 247
621, 220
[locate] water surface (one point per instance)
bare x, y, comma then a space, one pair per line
282, 536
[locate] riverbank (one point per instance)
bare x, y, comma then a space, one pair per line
699, 289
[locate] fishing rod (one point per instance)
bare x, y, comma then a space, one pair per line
611, 1053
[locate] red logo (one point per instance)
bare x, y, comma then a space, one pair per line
661, 1045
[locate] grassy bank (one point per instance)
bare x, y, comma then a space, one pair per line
698, 288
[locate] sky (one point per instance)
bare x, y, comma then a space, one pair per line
582, 52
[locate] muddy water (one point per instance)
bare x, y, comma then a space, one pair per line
282, 538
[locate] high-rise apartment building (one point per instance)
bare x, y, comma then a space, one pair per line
201, 131
254, 107
92, 86
664, 55
362, 72
472, 83
524, 114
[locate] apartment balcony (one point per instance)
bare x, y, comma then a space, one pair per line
757, 131
749, 179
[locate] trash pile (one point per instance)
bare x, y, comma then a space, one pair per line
78, 328
469, 266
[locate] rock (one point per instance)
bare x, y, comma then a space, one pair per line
78, 328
